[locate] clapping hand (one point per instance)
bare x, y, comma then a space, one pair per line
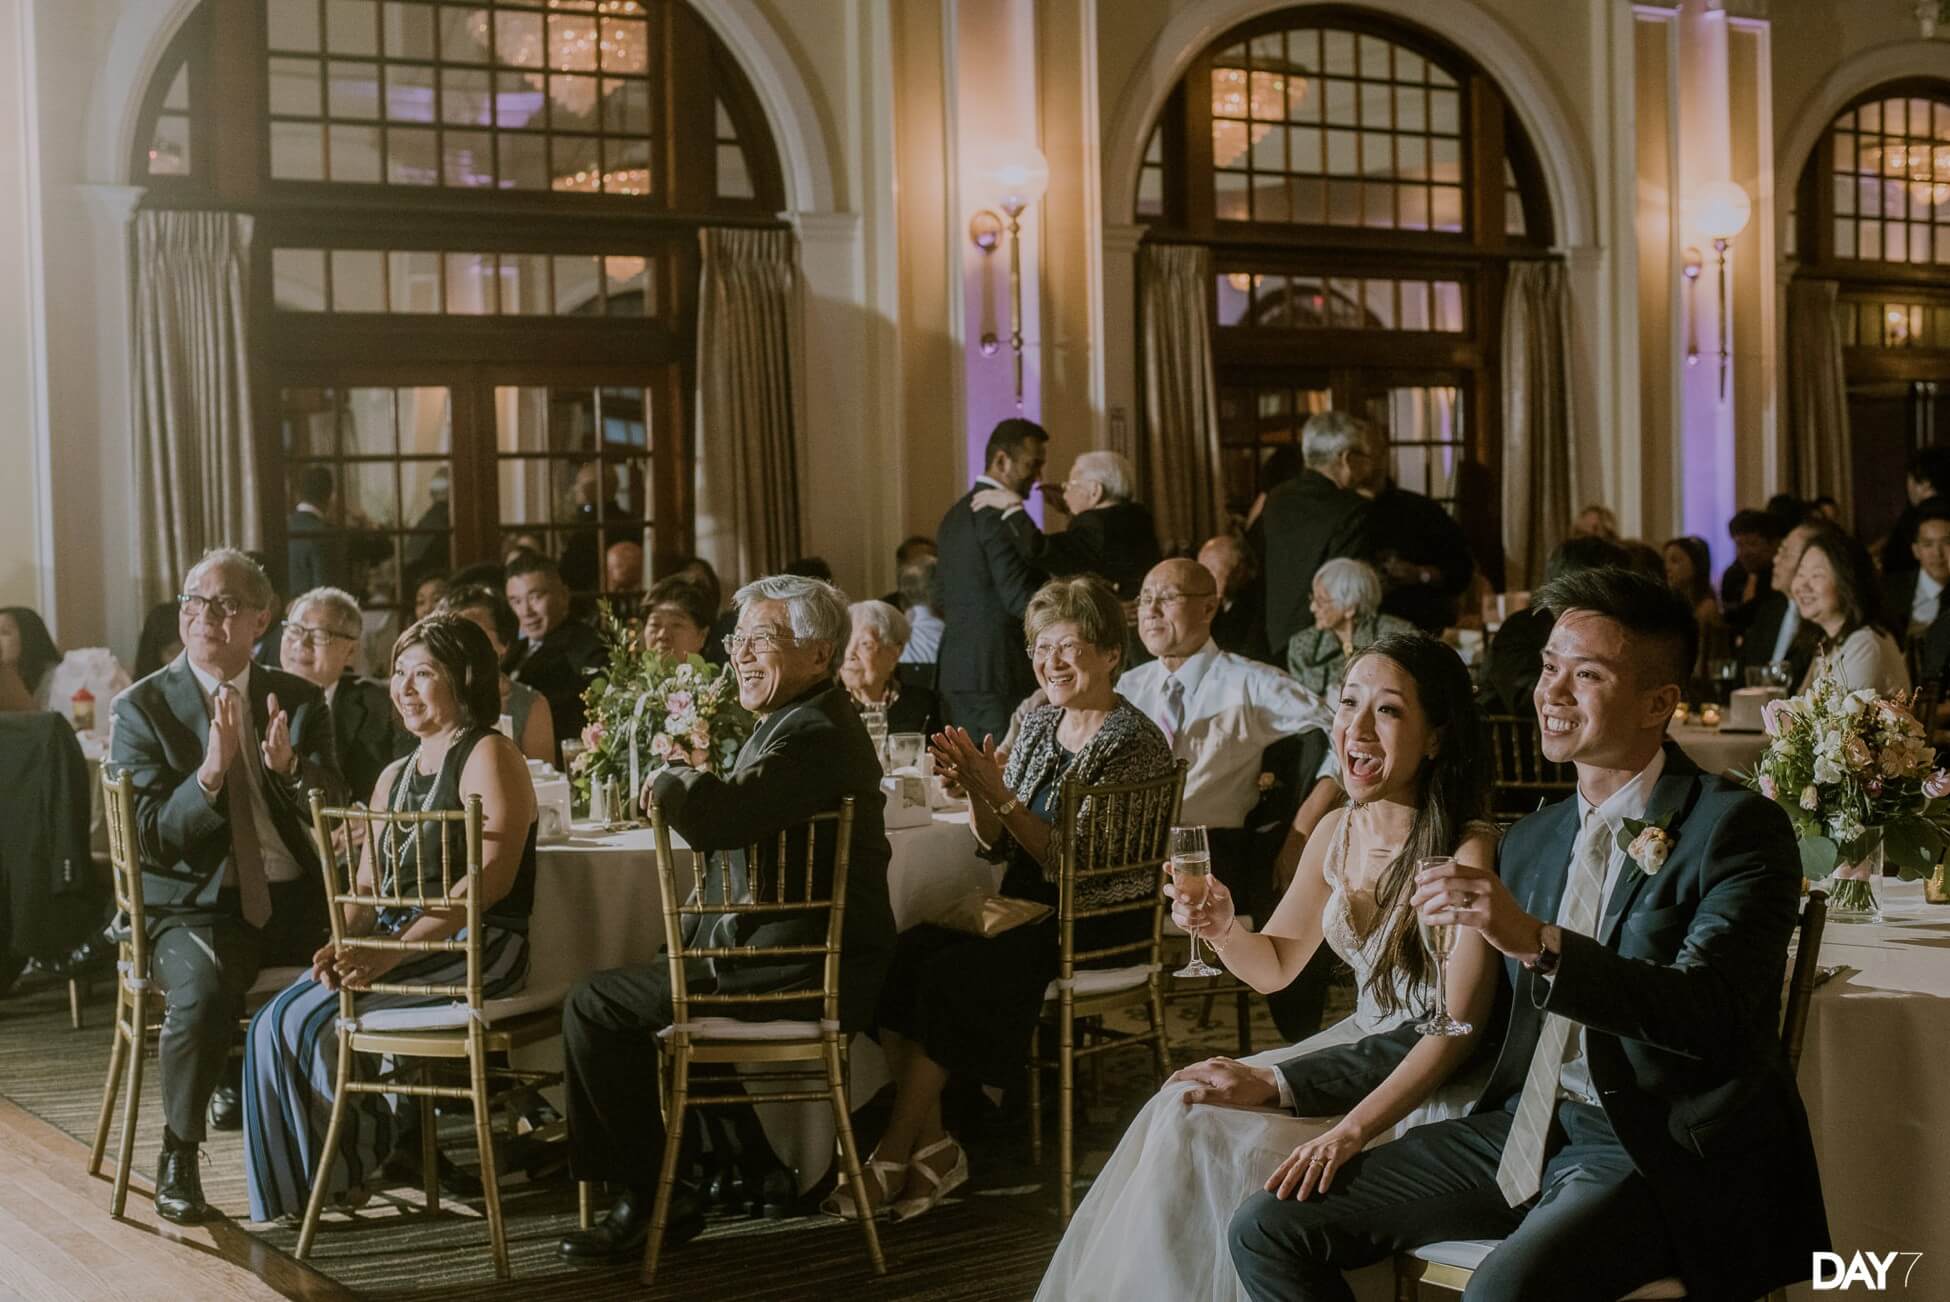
226, 728
1227, 1082
278, 755
975, 768
1211, 918
995, 499
1309, 1169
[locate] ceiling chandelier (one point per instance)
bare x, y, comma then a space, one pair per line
1912, 167
592, 180
574, 40
1265, 97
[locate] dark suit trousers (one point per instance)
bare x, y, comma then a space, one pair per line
205, 969
982, 713
1594, 1233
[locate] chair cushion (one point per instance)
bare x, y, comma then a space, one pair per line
453, 1016
730, 1028
1103, 981
270, 980
1468, 1254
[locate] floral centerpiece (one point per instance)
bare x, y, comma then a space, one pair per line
648, 711
1853, 772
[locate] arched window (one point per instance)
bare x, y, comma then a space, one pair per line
1872, 213
1361, 185
475, 246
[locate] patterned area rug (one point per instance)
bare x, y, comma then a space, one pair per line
1004, 1218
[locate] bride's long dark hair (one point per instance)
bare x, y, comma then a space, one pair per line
1453, 790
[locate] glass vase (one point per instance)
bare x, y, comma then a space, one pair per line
1852, 889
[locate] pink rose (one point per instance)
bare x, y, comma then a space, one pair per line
592, 734
1857, 752
1768, 789
679, 702
700, 735
1650, 848
1875, 786
662, 746
1937, 785
1771, 716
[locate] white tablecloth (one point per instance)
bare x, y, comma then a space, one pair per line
1875, 1074
597, 906
1716, 750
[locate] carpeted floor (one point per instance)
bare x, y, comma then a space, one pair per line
1003, 1219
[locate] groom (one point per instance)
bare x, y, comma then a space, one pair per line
1640, 1121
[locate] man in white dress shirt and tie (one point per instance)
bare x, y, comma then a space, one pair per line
1220, 712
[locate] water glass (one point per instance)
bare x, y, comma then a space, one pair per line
904, 750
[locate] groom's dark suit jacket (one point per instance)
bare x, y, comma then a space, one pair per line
1680, 996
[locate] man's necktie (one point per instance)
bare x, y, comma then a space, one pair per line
1174, 711
1520, 1174
246, 852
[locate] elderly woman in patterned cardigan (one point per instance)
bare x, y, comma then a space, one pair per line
958, 1004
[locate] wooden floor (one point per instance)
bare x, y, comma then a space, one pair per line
57, 1241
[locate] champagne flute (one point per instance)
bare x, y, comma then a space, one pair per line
1191, 877
1439, 938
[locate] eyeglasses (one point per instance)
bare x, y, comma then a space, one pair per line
763, 642
1169, 597
227, 607
315, 638
1070, 648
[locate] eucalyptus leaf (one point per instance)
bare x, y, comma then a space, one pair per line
1818, 857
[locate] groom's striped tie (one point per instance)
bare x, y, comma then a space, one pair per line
1521, 1172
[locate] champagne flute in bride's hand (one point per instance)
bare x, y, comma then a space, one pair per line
1191, 877
1439, 938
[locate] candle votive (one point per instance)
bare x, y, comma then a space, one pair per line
1681, 712
1709, 714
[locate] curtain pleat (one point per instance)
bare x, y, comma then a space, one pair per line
195, 460
1181, 462
1538, 450
1819, 453
748, 521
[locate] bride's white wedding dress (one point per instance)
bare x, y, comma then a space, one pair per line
1153, 1225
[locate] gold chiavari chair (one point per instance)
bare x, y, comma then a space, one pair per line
138, 1004
782, 884
426, 1045
1128, 832
1520, 777
1449, 1266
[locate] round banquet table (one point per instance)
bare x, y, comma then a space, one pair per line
1873, 1070
598, 905
1718, 750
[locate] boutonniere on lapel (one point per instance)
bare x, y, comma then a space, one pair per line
1647, 844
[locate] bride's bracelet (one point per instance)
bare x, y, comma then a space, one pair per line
1219, 945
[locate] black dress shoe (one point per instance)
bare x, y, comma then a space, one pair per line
726, 1189
226, 1109
622, 1230
772, 1194
179, 1188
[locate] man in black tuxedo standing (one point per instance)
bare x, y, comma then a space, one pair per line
1109, 535
319, 551
221, 751
1314, 517
985, 584
1640, 1121
556, 655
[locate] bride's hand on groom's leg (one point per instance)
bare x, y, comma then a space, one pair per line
1310, 1168
1224, 1081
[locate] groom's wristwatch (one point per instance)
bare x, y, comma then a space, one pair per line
1549, 941
1008, 807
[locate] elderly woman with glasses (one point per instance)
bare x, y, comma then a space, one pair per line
880, 634
1346, 607
955, 1004
319, 639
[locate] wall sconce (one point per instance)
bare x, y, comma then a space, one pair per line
1017, 178
1719, 212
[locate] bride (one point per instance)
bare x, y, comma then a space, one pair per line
1415, 764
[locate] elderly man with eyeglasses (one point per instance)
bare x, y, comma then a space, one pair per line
809, 751
318, 642
1221, 713
220, 751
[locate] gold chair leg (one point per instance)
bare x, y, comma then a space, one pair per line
1066, 1089
1406, 1289
849, 1152
117, 1060
329, 1153
74, 1002
429, 1147
680, 1088
132, 1104
585, 1205
1036, 1098
484, 1139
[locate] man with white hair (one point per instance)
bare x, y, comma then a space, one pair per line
1314, 517
809, 751
220, 751
1109, 535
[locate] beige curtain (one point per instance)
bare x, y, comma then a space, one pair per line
195, 463
1538, 448
1181, 415
747, 457
1818, 439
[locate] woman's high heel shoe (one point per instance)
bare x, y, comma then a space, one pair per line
941, 1184
842, 1202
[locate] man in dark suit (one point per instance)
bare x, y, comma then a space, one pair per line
1756, 537
1422, 554
1640, 1121
1516, 652
1927, 481
1109, 535
985, 584
319, 638
221, 752
1776, 631
1314, 517
809, 752
319, 552
556, 655
1240, 625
